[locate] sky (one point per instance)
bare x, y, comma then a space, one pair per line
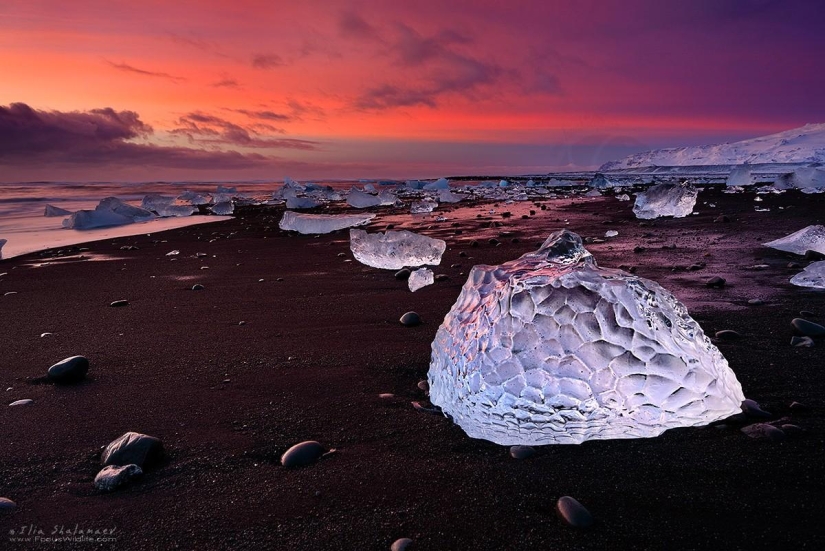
94, 90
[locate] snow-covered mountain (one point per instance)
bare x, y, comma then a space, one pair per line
800, 145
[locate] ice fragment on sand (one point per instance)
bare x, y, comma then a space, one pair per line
423, 207
362, 200
223, 208
812, 276
804, 178
395, 249
88, 219
301, 203
420, 278
447, 196
155, 201
666, 199
740, 176
176, 210
600, 181
551, 349
321, 223
2, 242
51, 211
810, 238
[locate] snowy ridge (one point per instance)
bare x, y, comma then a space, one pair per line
799, 145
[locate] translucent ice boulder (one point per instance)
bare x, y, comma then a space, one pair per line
361, 200
51, 211
420, 278
809, 238
806, 178
395, 249
740, 176
302, 203
89, 219
812, 276
601, 181
117, 206
423, 207
169, 211
223, 208
666, 199
551, 349
321, 223
156, 202
194, 198
447, 196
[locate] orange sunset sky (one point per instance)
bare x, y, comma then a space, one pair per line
248, 89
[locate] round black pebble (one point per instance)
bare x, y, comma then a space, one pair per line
410, 319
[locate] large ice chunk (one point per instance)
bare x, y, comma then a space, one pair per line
809, 238
447, 196
2, 242
321, 223
666, 199
155, 202
88, 219
551, 349
807, 178
117, 206
423, 207
602, 181
302, 203
395, 249
812, 276
361, 200
223, 208
420, 278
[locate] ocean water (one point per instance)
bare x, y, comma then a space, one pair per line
27, 230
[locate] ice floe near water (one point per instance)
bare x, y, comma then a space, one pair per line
807, 179
812, 276
361, 199
51, 211
423, 207
224, 208
447, 196
314, 224
809, 238
739, 177
420, 278
552, 349
666, 199
394, 250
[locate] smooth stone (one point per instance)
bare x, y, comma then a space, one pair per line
24, 402
401, 544
197, 287
410, 319
6, 503
751, 408
723, 219
807, 314
796, 406
522, 452
70, 370
119, 303
728, 335
424, 385
113, 477
808, 328
46, 335
573, 512
715, 281
764, 431
756, 302
132, 448
302, 454
442, 277
802, 342
792, 431
386, 395
403, 273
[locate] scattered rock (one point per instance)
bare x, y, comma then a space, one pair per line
418, 406
792, 431
752, 409
756, 302
802, 342
302, 454
46, 335
119, 303
70, 370
723, 219
113, 477
807, 314
522, 452
198, 287
424, 385
401, 544
442, 277
796, 406
24, 402
403, 273
764, 431
728, 335
715, 281
6, 504
808, 328
386, 395
410, 319
132, 448
573, 512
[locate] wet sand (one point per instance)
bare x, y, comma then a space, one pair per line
321, 340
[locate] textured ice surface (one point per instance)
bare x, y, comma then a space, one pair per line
321, 223
302, 203
361, 200
88, 219
447, 196
115, 205
812, 276
739, 176
156, 202
666, 199
176, 210
395, 249
51, 211
551, 349
420, 278
600, 181
809, 238
423, 207
194, 198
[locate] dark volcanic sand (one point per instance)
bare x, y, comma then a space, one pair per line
319, 347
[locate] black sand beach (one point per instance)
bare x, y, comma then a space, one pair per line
320, 340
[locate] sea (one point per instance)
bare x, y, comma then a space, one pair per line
26, 229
